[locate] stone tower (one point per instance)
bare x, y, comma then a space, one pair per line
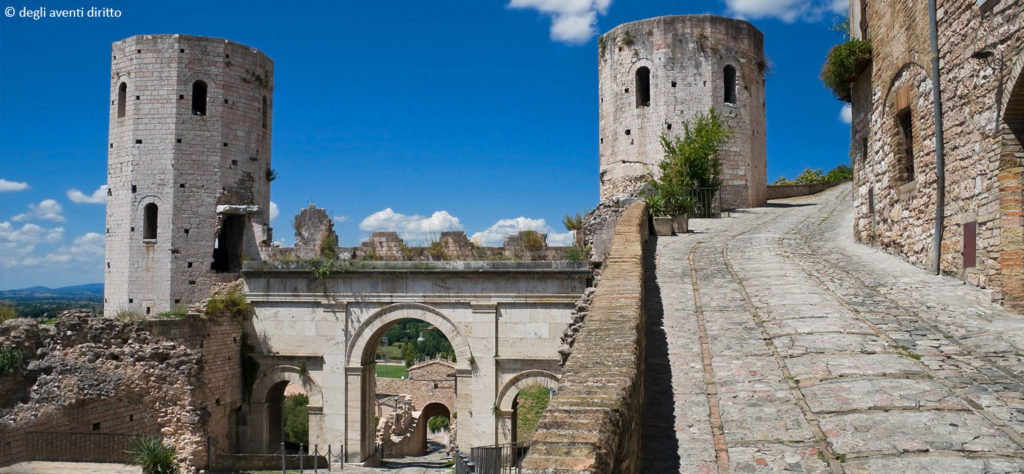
657, 73
188, 168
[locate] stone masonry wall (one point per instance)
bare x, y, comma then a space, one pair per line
984, 161
593, 422
686, 56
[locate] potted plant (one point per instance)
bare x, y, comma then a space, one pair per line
657, 205
682, 205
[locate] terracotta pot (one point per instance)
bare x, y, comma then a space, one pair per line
662, 226
681, 223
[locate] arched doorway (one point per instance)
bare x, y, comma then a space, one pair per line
361, 368
431, 411
537, 384
268, 410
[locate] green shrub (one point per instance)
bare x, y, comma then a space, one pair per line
177, 312
128, 315
7, 311
230, 303
532, 240
844, 62
691, 161
438, 423
328, 246
153, 455
436, 251
575, 254
11, 359
839, 173
810, 176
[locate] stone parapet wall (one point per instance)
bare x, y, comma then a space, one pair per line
783, 191
593, 422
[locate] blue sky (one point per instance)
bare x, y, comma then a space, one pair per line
417, 116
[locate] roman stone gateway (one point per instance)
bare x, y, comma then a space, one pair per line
188, 168
657, 73
503, 318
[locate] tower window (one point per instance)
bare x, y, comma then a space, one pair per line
149, 221
199, 98
906, 162
730, 85
643, 87
263, 111
122, 95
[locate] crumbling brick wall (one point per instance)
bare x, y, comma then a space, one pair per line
100, 381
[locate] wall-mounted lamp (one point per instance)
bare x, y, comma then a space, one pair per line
989, 57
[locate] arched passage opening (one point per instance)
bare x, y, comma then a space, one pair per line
361, 369
282, 400
436, 420
643, 86
414, 368
522, 400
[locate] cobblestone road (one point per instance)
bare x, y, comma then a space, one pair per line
776, 343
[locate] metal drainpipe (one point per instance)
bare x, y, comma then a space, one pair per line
940, 162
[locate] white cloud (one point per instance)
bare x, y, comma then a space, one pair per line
48, 209
846, 114
340, 218
9, 186
16, 243
99, 196
495, 235
786, 10
572, 21
86, 248
412, 229
274, 211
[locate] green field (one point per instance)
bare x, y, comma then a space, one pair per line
389, 352
392, 371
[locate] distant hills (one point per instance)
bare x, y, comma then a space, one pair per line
90, 291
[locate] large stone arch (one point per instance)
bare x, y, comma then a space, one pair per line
360, 376
361, 351
263, 440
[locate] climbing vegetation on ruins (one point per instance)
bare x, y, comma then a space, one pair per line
229, 303
328, 246
844, 62
532, 240
627, 39
152, 455
11, 359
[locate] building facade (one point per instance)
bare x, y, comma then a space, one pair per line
893, 146
188, 168
657, 73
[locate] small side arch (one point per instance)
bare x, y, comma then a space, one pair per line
286, 373
520, 381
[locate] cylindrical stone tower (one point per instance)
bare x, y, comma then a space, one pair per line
188, 168
657, 73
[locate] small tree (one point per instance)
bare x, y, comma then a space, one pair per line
574, 224
691, 161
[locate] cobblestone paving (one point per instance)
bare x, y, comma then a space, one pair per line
776, 343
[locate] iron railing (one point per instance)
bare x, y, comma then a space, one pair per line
499, 459
79, 447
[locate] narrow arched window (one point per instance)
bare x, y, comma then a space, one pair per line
199, 98
730, 84
122, 97
643, 87
264, 112
149, 216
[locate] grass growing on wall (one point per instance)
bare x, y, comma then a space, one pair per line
532, 402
